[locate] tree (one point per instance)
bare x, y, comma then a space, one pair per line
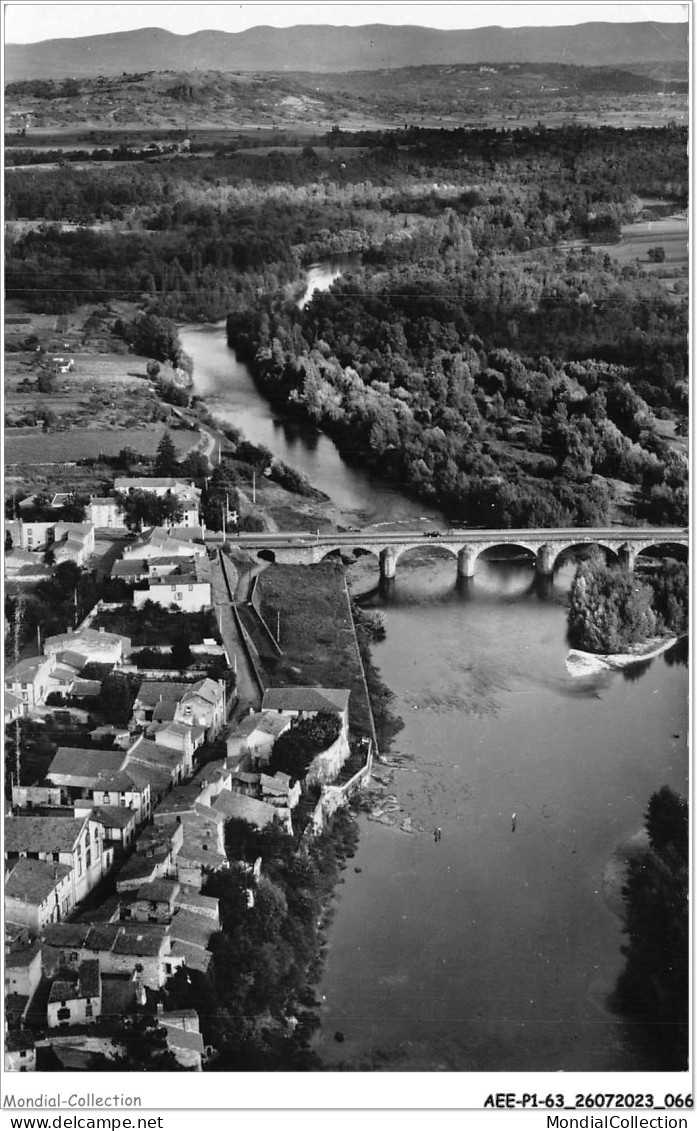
166, 463
153, 369
295, 749
656, 254
609, 609
117, 696
654, 987
9, 542
145, 508
667, 822
126, 458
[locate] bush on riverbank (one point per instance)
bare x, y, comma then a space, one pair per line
259, 1011
654, 987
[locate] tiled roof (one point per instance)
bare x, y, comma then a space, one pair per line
140, 867
206, 689
65, 935
11, 702
34, 880
159, 890
183, 1039
21, 957
273, 725
73, 761
86, 636
42, 834
130, 567
305, 699
155, 754
195, 957
240, 807
26, 670
144, 775
276, 783
165, 710
192, 928
188, 897
63, 991
87, 688
89, 978
140, 938
113, 816
151, 691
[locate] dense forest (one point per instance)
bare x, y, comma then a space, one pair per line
478, 349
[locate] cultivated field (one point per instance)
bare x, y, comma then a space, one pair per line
34, 447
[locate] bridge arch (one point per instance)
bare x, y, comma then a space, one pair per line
611, 553
266, 556
427, 544
668, 549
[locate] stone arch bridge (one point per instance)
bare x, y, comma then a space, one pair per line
626, 543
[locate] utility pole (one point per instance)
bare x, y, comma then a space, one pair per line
254, 487
19, 614
278, 626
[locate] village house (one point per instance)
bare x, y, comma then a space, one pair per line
30, 535
187, 588
154, 902
203, 705
253, 738
156, 700
104, 512
125, 485
305, 702
76, 842
277, 790
100, 776
94, 646
162, 542
154, 856
76, 1000
20, 1052
178, 736
174, 760
22, 969
127, 949
15, 707
73, 542
30, 680
37, 893
259, 814
119, 824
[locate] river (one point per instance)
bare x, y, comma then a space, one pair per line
494, 949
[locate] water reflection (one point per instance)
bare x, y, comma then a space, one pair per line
494, 724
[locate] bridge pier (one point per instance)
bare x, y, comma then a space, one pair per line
627, 556
388, 564
466, 561
544, 562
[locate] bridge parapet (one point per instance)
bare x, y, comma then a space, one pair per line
466, 547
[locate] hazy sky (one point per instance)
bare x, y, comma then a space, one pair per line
29, 22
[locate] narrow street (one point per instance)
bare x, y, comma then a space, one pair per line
247, 687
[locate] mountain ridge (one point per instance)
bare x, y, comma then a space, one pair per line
324, 48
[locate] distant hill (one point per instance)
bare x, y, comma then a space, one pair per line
322, 48
464, 92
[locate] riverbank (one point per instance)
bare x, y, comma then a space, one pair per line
580, 664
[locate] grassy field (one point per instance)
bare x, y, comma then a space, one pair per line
317, 637
34, 447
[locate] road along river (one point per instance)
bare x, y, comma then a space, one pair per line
494, 948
